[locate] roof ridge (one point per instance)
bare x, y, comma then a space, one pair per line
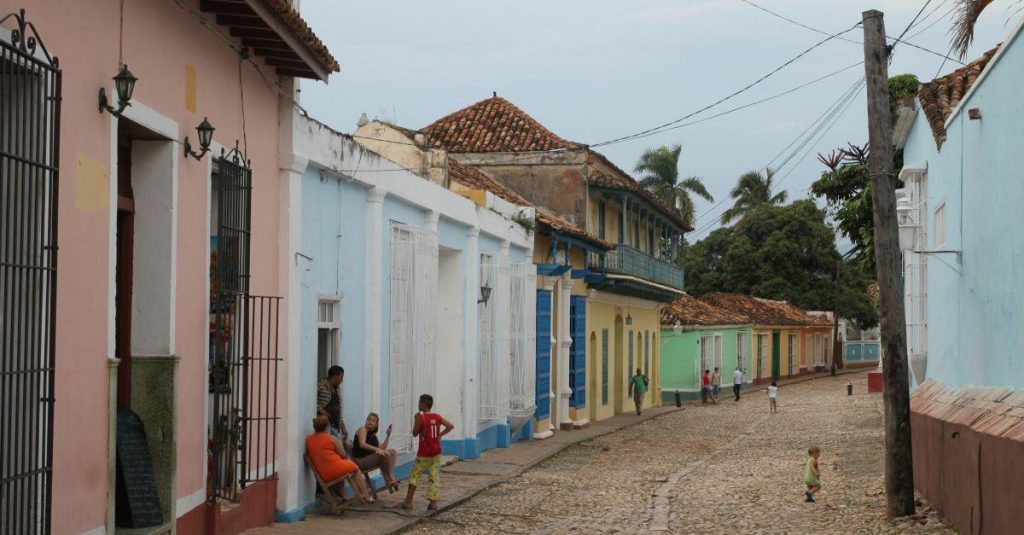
943, 94
508, 129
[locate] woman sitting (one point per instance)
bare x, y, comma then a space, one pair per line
327, 455
369, 453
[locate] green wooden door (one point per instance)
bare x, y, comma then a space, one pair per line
776, 355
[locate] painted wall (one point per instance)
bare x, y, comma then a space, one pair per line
602, 311
974, 312
680, 357
160, 42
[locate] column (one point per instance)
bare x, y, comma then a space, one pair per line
564, 344
375, 236
471, 357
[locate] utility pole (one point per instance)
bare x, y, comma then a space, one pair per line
899, 469
837, 346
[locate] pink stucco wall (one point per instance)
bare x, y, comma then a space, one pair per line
160, 39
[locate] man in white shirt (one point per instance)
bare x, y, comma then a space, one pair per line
737, 382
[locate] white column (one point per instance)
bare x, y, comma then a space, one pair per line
432, 218
564, 343
470, 330
290, 281
375, 236
503, 322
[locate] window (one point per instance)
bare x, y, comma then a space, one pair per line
818, 360
647, 353
762, 355
522, 347
794, 341
631, 368
328, 335
601, 219
809, 355
827, 350
940, 226
604, 366
488, 370
742, 350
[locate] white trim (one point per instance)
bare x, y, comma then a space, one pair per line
581, 423
152, 119
647, 282
102, 530
186, 504
984, 74
546, 434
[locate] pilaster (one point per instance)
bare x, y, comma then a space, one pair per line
564, 343
375, 236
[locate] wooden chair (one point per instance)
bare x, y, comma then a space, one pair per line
366, 475
337, 503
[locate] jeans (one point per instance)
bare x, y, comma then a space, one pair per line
736, 390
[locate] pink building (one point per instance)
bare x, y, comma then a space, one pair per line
143, 292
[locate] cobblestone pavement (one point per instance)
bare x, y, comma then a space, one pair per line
730, 468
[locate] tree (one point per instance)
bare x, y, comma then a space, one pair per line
752, 190
780, 252
967, 15
659, 170
846, 187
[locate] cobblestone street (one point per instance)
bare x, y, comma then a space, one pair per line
730, 468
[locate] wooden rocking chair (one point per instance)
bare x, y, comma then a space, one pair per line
337, 502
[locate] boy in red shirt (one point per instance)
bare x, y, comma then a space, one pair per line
427, 426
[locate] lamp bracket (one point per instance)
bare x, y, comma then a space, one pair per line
105, 105
189, 152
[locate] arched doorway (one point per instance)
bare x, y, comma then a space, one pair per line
618, 379
594, 379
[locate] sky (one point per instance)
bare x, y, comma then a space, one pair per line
596, 70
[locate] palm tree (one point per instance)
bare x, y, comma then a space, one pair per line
752, 190
967, 15
659, 169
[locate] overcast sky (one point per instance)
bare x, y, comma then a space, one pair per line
594, 70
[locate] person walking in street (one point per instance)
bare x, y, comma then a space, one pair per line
716, 384
428, 427
737, 382
773, 394
328, 401
812, 476
706, 386
637, 388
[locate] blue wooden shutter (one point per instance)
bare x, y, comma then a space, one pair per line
578, 351
543, 354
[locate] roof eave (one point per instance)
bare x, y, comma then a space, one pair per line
280, 28
984, 74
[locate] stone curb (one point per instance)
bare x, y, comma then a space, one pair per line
466, 496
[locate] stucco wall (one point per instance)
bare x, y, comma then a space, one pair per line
160, 41
680, 356
602, 311
974, 312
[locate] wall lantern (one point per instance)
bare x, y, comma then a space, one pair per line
485, 294
629, 319
124, 84
205, 131
677, 328
907, 225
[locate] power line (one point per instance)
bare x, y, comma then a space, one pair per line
912, 21
654, 130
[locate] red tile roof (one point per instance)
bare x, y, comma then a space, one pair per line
621, 180
940, 96
992, 410
689, 310
291, 17
493, 125
765, 311
474, 178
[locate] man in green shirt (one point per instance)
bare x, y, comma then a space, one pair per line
637, 388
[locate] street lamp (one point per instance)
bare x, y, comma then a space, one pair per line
124, 84
908, 226
485, 294
205, 131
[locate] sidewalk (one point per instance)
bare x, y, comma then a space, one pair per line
460, 481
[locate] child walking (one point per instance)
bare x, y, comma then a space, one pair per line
773, 394
427, 426
812, 477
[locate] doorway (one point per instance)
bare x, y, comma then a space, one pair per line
776, 355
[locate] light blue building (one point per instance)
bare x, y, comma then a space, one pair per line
412, 288
961, 209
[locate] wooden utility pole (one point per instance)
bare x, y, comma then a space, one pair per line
837, 346
899, 469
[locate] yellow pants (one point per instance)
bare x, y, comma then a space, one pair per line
433, 467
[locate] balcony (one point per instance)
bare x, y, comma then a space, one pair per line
625, 260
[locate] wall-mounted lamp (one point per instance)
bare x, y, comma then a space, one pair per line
485, 294
205, 131
908, 227
677, 328
124, 84
629, 319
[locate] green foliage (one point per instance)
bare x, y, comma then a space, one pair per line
779, 252
902, 85
659, 169
752, 190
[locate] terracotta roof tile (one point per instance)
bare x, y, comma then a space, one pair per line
474, 178
940, 96
291, 17
620, 179
689, 310
991, 410
765, 311
493, 125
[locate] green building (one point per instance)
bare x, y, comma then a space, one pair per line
697, 336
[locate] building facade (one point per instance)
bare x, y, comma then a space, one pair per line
611, 301
170, 260
412, 289
959, 224
698, 336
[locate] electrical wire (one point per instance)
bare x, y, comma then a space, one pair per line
657, 129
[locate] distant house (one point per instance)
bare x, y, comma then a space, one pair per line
788, 341
696, 336
961, 228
